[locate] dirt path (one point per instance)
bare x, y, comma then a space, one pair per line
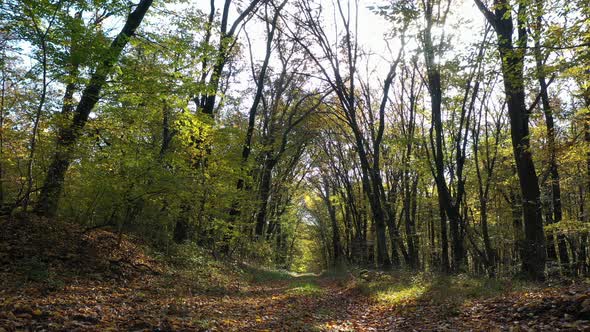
305, 303
157, 304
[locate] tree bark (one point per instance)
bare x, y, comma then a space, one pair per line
336, 244
444, 241
2, 157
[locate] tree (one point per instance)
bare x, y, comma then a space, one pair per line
343, 81
227, 41
512, 56
67, 137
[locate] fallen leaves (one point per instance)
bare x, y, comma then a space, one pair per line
136, 300
97, 305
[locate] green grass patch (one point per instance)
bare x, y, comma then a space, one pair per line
463, 287
400, 287
261, 275
394, 294
305, 288
394, 288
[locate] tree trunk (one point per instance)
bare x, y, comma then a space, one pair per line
264, 194
336, 244
371, 181
447, 203
583, 256
2, 156
444, 241
490, 254
394, 236
512, 59
68, 136
409, 204
516, 209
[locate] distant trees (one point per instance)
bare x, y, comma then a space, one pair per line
344, 82
473, 128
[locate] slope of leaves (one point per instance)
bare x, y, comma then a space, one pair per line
38, 250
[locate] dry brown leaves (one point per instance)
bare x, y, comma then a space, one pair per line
127, 296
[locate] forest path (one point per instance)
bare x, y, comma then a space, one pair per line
59, 280
288, 303
174, 303
296, 303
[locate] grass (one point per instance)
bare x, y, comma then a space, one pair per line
463, 287
299, 285
305, 288
393, 288
402, 287
261, 275
394, 294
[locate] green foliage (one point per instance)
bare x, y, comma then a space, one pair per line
36, 270
149, 161
199, 269
568, 227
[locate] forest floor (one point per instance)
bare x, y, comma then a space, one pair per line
106, 282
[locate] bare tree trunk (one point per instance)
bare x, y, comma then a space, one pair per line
444, 241
484, 183
336, 244
582, 254
264, 194
394, 236
410, 225
517, 227
450, 205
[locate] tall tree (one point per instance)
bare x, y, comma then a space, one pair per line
554, 214
227, 41
68, 135
512, 56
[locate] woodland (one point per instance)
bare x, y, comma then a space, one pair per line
294, 165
